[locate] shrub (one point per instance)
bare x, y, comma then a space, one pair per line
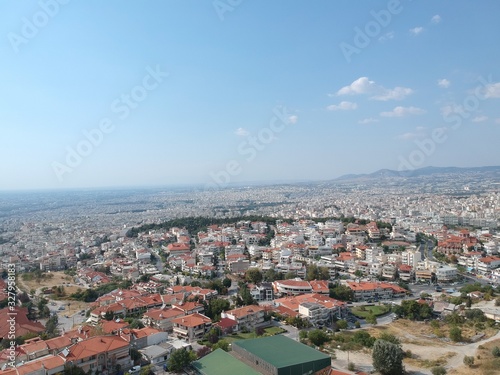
438, 370
351, 366
469, 361
495, 351
455, 334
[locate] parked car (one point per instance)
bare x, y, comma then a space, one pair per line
135, 370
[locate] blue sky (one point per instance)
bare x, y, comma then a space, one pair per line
173, 91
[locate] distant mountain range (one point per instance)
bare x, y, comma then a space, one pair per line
420, 172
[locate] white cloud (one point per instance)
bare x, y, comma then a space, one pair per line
386, 37
369, 120
443, 83
342, 106
436, 18
481, 118
364, 86
293, 119
241, 132
403, 111
397, 93
416, 30
360, 86
492, 90
497, 120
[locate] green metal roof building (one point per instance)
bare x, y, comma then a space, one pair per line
221, 363
280, 355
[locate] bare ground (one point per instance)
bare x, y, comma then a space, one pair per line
427, 350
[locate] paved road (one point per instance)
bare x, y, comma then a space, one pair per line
74, 317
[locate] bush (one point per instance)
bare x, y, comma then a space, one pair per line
456, 334
438, 370
351, 366
495, 351
469, 361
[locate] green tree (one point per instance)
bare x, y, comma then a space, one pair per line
438, 370
303, 335
226, 282
216, 306
387, 358
363, 338
342, 324
147, 370
253, 275
180, 359
135, 355
371, 319
318, 337
341, 292
221, 344
390, 338
455, 334
246, 296
495, 351
469, 361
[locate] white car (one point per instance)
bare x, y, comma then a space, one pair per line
135, 370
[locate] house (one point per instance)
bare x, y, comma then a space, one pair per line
191, 327
48, 365
442, 308
22, 325
157, 354
487, 264
162, 318
246, 316
178, 249
446, 273
190, 307
227, 326
262, 292
366, 291
291, 287
99, 353
330, 307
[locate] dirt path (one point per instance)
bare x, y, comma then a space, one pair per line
469, 349
422, 348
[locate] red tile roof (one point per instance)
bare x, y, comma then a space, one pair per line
94, 346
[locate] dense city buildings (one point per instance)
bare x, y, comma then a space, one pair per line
160, 271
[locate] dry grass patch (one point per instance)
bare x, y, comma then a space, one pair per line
48, 281
486, 364
442, 360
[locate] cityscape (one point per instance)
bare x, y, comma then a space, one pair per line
231, 187
159, 271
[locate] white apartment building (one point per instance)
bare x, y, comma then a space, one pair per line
487, 264
411, 257
446, 273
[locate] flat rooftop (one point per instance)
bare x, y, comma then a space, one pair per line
281, 351
221, 363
